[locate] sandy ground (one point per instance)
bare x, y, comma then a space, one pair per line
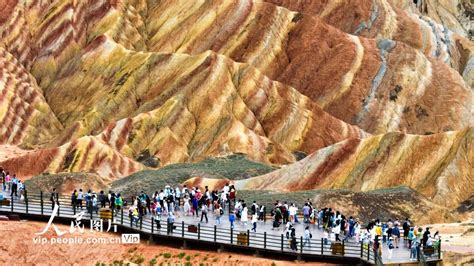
9, 151
17, 248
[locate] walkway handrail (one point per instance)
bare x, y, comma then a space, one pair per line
34, 204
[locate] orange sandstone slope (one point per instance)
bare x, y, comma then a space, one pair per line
86, 154
25, 116
185, 108
400, 21
379, 85
438, 166
179, 107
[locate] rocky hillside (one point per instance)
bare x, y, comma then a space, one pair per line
379, 93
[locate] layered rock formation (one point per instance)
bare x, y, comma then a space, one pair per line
86, 154
93, 86
438, 166
428, 27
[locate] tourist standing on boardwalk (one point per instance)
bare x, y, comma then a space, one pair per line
80, 196
337, 230
390, 247
14, 186
4, 181
232, 219
8, 181
396, 234
261, 213
74, 199
102, 199
293, 242
54, 198
204, 209
244, 215
406, 229
170, 222
219, 212
307, 237
426, 236
415, 245
254, 222
306, 213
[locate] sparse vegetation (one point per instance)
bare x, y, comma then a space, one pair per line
166, 255
233, 167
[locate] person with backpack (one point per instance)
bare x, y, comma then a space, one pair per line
118, 202
307, 237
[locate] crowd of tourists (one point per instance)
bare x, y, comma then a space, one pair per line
12, 184
171, 202
335, 226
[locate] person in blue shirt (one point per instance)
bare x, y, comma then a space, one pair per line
232, 219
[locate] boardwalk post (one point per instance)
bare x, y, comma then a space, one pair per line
281, 242
41, 198
12, 202
299, 257
265, 240
141, 222
248, 237
152, 224
231, 235
26, 201
199, 231
215, 233
361, 250
182, 229
121, 216
439, 249
74, 209
368, 252
322, 247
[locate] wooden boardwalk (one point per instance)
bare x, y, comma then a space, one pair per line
188, 230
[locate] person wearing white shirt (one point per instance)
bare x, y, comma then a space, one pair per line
307, 237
